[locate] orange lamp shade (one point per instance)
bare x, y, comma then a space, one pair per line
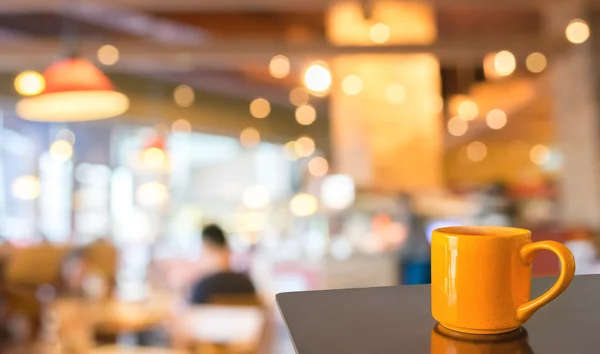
75, 90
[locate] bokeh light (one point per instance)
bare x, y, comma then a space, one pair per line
181, 125
108, 54
30, 83
505, 63
496, 119
260, 108
306, 114
289, 151
154, 157
305, 146
317, 78
457, 126
352, 85
249, 138
476, 151
152, 193
395, 93
26, 187
66, 135
338, 191
299, 96
468, 110
379, 33
577, 31
304, 205
256, 197
318, 166
184, 96
279, 67
540, 154
61, 150
536, 62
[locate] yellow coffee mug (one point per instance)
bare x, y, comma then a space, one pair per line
481, 277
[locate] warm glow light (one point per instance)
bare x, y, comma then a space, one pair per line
306, 114
279, 67
181, 125
154, 157
457, 126
489, 66
184, 96
303, 205
249, 138
66, 135
152, 193
26, 187
468, 110
352, 85
299, 96
496, 119
505, 63
305, 146
289, 151
61, 150
260, 108
536, 62
317, 78
379, 33
108, 54
395, 93
30, 83
338, 191
73, 106
256, 197
318, 166
476, 151
539, 155
577, 31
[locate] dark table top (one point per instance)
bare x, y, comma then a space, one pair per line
394, 320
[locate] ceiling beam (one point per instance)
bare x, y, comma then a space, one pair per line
452, 52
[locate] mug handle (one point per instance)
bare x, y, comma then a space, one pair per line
567, 262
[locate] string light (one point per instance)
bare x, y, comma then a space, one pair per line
352, 85
260, 108
318, 166
30, 83
303, 205
66, 135
317, 78
457, 126
152, 193
181, 125
279, 67
379, 33
496, 119
305, 146
536, 62
299, 96
184, 96
256, 197
476, 151
289, 151
468, 110
505, 63
306, 114
61, 150
249, 138
577, 31
108, 54
539, 155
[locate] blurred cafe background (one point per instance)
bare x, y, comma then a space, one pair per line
326, 139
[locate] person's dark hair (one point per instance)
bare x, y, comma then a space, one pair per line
214, 235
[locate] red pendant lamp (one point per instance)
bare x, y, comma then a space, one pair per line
75, 90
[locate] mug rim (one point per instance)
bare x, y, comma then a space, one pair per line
478, 231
